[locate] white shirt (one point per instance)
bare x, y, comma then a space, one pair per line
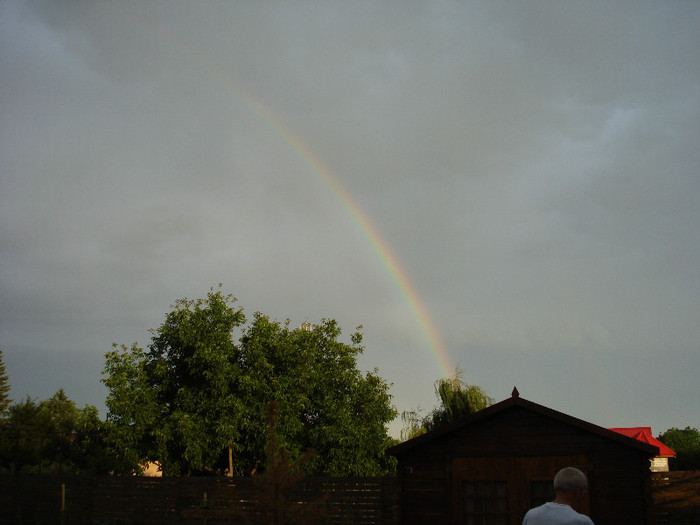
555, 514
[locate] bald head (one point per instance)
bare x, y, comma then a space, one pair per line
569, 480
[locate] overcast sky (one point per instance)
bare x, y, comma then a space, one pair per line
532, 167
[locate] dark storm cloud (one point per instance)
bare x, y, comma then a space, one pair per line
533, 166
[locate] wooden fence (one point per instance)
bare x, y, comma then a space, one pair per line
104, 500
676, 497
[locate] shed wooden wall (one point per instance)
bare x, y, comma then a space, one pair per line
619, 477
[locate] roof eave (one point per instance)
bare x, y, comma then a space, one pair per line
401, 448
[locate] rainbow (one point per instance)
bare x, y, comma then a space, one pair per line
367, 228
304, 152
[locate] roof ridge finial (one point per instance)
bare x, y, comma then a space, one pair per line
515, 392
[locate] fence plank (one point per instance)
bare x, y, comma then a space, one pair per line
36, 499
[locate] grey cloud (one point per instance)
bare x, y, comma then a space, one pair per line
532, 166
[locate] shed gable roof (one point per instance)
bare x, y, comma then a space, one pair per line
517, 401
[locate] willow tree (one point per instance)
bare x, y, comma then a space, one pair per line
457, 400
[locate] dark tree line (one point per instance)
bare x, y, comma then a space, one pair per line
50, 436
195, 400
53, 436
4, 388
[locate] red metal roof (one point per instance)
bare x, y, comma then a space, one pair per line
644, 435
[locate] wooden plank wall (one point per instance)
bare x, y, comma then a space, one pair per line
426, 496
676, 497
27, 499
618, 474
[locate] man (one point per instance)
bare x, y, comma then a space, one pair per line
570, 486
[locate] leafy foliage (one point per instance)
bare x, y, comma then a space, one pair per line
686, 444
132, 408
176, 402
53, 436
413, 424
457, 400
4, 387
196, 392
325, 403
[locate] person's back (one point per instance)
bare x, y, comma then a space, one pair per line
570, 486
555, 514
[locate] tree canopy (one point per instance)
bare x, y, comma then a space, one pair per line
686, 444
457, 400
53, 436
197, 396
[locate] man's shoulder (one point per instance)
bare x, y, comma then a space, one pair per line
555, 513
533, 514
535, 510
584, 520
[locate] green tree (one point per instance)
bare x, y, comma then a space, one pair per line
326, 404
133, 408
457, 400
686, 444
195, 400
4, 387
53, 436
21, 442
176, 403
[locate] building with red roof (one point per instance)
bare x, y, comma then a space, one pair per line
659, 463
494, 465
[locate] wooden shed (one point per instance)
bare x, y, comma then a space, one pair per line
491, 467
